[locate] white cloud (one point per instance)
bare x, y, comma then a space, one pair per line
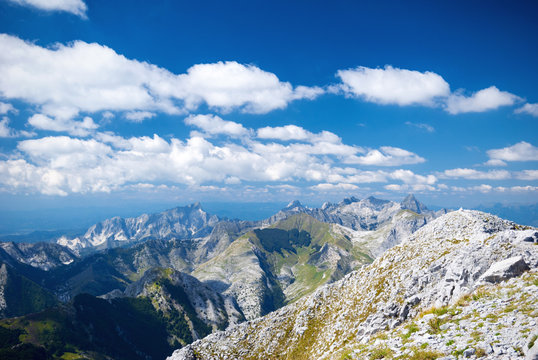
8, 132
425, 127
63, 165
410, 187
527, 188
486, 99
485, 188
293, 132
5, 108
386, 156
137, 116
284, 133
228, 85
393, 86
522, 151
531, 109
495, 162
527, 175
77, 128
408, 177
214, 125
64, 80
76, 7
476, 174
334, 187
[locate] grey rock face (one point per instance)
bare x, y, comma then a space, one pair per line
44, 256
187, 222
505, 269
214, 309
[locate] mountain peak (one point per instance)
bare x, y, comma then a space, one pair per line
294, 204
349, 200
411, 203
197, 206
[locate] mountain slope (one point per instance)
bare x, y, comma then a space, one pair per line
44, 256
20, 295
436, 266
269, 267
162, 311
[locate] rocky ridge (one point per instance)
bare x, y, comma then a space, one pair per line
44, 256
187, 222
435, 267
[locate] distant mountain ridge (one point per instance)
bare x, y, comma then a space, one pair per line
357, 214
181, 222
184, 263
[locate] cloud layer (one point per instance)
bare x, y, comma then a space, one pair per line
60, 165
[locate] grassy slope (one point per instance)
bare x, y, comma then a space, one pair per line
89, 327
24, 296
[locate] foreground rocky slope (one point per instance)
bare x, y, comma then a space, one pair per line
436, 266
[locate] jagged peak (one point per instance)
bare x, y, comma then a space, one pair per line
375, 201
294, 204
411, 203
349, 200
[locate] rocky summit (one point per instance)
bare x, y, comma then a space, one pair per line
463, 285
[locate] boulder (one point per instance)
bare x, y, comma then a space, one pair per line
504, 270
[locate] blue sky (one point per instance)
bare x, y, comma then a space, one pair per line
169, 102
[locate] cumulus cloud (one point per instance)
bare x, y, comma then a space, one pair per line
293, 132
62, 165
214, 125
410, 87
527, 175
531, 109
137, 116
386, 156
77, 128
522, 151
7, 132
409, 177
76, 7
228, 85
495, 162
476, 174
64, 80
393, 85
490, 98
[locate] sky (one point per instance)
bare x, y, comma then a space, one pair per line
137, 104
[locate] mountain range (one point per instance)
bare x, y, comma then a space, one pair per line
186, 274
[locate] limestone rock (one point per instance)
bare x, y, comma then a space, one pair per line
505, 269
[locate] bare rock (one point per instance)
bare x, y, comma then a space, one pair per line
505, 269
